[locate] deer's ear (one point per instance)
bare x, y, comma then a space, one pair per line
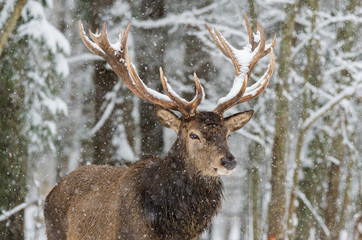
238, 120
168, 118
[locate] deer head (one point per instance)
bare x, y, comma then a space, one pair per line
202, 136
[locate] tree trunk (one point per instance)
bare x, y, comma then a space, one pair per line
277, 204
256, 156
104, 81
332, 210
149, 57
13, 151
312, 77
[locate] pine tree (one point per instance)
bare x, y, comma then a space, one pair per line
32, 64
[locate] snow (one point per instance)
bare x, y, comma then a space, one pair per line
54, 105
85, 57
334, 160
62, 66
346, 93
6, 9
257, 37
234, 230
336, 111
104, 117
39, 28
156, 94
150, 91
235, 89
253, 89
116, 46
49, 3
321, 25
124, 150
244, 57
111, 97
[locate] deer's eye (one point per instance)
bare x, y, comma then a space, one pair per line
194, 136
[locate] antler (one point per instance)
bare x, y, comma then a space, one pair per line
244, 61
118, 58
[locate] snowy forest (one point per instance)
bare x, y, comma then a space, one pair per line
299, 172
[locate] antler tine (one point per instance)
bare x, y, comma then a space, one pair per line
141, 90
250, 33
267, 51
101, 39
125, 35
257, 88
224, 46
133, 82
200, 94
216, 40
229, 50
261, 49
187, 108
130, 82
173, 95
87, 42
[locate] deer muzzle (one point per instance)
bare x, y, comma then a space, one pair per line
229, 162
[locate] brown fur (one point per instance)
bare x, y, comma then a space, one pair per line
174, 197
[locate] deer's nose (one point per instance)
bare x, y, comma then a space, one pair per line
229, 162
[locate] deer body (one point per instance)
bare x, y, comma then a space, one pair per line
155, 198
174, 197
139, 208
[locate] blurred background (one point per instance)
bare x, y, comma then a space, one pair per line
300, 168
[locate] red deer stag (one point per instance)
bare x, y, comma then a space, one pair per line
174, 197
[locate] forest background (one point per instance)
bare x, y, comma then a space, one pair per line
300, 168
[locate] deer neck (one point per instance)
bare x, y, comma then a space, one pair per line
176, 199
179, 157
177, 154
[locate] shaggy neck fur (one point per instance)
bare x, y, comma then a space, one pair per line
176, 200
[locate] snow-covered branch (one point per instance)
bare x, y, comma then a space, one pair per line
109, 109
6, 214
84, 57
319, 219
187, 17
196, 17
320, 26
346, 93
252, 137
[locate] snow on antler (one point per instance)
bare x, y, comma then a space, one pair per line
244, 61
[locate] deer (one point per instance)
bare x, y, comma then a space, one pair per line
170, 197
